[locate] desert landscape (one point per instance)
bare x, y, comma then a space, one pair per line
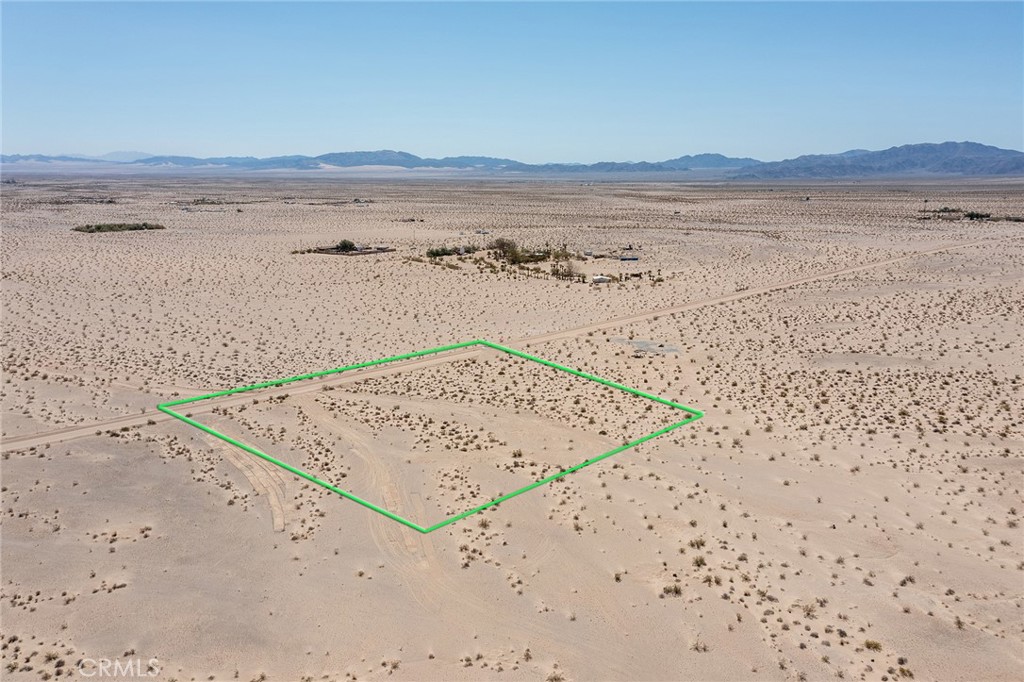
847, 508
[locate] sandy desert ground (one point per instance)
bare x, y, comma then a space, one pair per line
848, 508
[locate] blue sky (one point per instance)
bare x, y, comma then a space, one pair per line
536, 82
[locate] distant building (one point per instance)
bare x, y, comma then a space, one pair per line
601, 279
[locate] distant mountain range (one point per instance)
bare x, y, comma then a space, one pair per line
947, 158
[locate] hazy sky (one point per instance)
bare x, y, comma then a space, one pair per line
535, 82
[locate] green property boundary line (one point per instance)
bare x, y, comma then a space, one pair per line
693, 415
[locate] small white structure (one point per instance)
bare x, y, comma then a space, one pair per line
601, 279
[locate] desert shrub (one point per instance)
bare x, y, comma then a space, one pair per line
117, 227
346, 245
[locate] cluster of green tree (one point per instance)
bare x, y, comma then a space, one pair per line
508, 251
117, 227
567, 270
440, 251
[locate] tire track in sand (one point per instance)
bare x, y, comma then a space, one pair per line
263, 481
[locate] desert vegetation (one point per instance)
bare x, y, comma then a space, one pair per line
442, 251
849, 508
117, 227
